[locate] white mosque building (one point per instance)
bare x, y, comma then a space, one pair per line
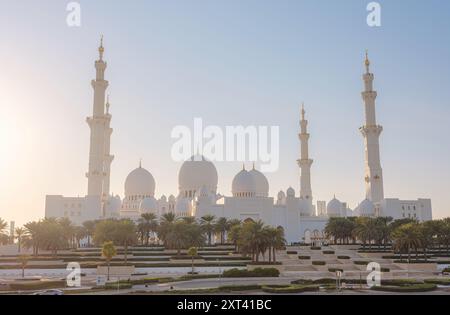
198, 178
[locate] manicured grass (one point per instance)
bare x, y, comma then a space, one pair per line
290, 289
423, 287
37, 285
258, 272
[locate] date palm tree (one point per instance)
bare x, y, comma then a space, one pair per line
193, 252
407, 237
90, 229
150, 225
221, 227
19, 235
125, 235
207, 223
108, 252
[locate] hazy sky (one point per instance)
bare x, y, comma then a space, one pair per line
229, 62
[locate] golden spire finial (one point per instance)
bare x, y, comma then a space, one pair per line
303, 111
101, 50
367, 61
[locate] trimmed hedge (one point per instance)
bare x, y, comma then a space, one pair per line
328, 252
444, 281
258, 272
361, 263
304, 257
316, 248
335, 269
423, 287
290, 289
233, 288
343, 257
37, 285
290, 252
319, 263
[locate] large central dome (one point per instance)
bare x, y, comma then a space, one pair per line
196, 173
140, 183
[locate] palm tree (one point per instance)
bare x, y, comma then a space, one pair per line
4, 238
3, 226
234, 236
276, 241
366, 230
108, 252
90, 229
193, 252
165, 226
19, 234
222, 227
33, 231
125, 235
207, 223
150, 225
407, 237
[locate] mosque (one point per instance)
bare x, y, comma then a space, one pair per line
198, 178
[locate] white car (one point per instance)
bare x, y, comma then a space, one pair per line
49, 292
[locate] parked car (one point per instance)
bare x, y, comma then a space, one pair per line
49, 292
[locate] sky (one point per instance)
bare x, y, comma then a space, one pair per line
245, 62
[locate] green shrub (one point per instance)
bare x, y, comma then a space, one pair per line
319, 263
361, 263
385, 269
446, 270
290, 289
316, 248
37, 285
232, 288
258, 272
443, 281
343, 257
328, 252
335, 270
304, 257
423, 287
400, 282
290, 252
116, 286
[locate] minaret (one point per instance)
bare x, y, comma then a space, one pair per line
305, 162
108, 158
371, 132
99, 125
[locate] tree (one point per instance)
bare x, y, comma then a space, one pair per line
125, 235
222, 227
165, 226
234, 236
4, 239
150, 225
276, 241
207, 223
90, 229
366, 230
23, 259
19, 234
193, 252
407, 237
108, 252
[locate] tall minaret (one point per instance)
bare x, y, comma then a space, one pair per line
99, 125
371, 132
107, 155
305, 162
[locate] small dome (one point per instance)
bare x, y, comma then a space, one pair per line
366, 208
243, 185
163, 198
140, 183
149, 204
261, 183
290, 192
172, 199
196, 173
334, 208
281, 195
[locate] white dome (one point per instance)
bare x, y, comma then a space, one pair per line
172, 199
244, 185
261, 183
140, 183
334, 208
366, 208
149, 204
196, 173
290, 192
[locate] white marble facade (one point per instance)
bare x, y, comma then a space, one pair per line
197, 182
